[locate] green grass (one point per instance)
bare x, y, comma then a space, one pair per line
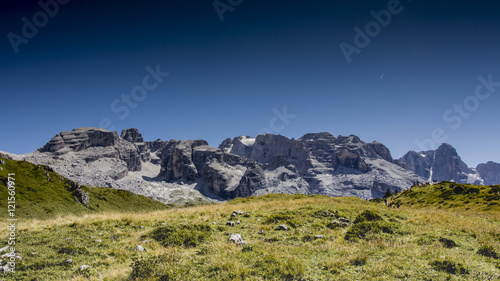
381, 243
450, 195
413, 242
42, 193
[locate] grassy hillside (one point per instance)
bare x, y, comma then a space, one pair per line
42, 193
379, 243
446, 195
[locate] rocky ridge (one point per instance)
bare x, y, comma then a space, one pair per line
442, 164
180, 171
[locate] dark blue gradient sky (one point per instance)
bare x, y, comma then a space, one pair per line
228, 78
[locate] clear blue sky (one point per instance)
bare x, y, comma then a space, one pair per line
226, 77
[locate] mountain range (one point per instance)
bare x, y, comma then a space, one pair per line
180, 171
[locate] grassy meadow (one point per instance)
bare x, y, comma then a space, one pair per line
416, 237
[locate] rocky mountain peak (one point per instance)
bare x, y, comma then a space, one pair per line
323, 136
442, 164
489, 172
132, 135
80, 139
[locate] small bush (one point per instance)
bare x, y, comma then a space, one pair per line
184, 235
283, 217
359, 260
367, 215
488, 251
307, 238
450, 267
361, 230
447, 243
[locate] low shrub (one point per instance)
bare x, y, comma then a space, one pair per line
183, 235
449, 267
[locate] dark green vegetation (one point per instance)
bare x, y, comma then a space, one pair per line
450, 195
42, 193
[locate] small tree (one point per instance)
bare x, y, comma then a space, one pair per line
388, 193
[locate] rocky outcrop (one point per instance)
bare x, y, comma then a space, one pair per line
322, 163
132, 135
419, 162
78, 140
442, 164
94, 144
316, 163
449, 166
489, 172
351, 160
177, 162
381, 150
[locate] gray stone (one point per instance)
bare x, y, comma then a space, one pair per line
344, 220
282, 227
230, 223
237, 239
68, 261
83, 267
140, 249
318, 237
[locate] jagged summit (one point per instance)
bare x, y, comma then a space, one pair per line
442, 164
179, 171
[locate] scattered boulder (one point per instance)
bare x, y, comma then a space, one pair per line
318, 237
140, 249
261, 231
344, 220
282, 227
98, 241
237, 239
337, 224
83, 267
230, 223
68, 261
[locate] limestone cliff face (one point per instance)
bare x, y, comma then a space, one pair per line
489, 172
442, 164
316, 163
94, 144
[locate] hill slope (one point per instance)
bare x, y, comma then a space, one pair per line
323, 238
42, 193
447, 195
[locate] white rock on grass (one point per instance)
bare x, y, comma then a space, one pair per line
282, 227
140, 249
236, 238
83, 267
